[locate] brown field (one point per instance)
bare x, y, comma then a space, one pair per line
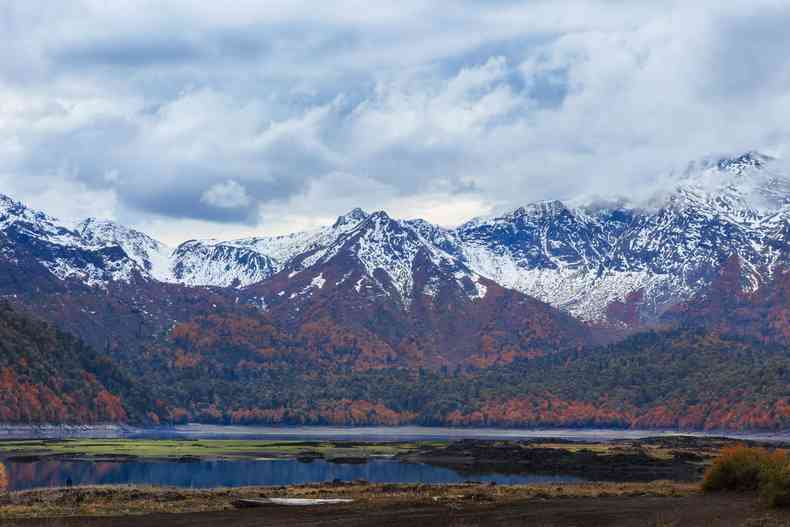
659, 504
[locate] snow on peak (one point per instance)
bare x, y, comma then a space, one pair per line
63, 250
580, 255
744, 186
36, 224
540, 209
387, 250
748, 160
351, 218
151, 255
212, 263
7, 203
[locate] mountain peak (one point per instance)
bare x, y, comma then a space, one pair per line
752, 159
737, 165
90, 226
352, 217
9, 205
7, 202
150, 254
540, 208
380, 215
111, 232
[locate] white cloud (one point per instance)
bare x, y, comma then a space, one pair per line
227, 195
280, 115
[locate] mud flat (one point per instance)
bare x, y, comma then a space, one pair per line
681, 458
657, 504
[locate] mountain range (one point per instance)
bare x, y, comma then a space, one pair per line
226, 324
586, 258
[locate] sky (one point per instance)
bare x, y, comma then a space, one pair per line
216, 119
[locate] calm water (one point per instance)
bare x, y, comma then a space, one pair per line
366, 433
206, 474
418, 433
218, 473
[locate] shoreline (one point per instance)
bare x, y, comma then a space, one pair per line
675, 458
361, 433
633, 481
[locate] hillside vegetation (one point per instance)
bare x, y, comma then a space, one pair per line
686, 378
47, 376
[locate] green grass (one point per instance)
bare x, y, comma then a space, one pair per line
201, 448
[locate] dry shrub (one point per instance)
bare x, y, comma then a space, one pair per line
3, 478
737, 468
742, 468
775, 481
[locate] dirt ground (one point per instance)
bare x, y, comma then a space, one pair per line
621, 511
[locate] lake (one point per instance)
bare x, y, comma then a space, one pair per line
220, 473
364, 433
425, 433
207, 473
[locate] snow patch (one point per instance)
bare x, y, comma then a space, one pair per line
318, 282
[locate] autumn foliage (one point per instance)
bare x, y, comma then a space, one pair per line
47, 376
499, 362
241, 368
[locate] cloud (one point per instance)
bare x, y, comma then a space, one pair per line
227, 195
142, 50
279, 115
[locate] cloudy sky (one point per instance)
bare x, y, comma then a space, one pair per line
197, 119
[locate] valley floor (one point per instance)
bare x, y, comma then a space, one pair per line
650, 482
632, 505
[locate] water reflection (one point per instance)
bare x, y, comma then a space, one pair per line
206, 474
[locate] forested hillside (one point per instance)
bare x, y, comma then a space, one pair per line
686, 378
245, 370
47, 376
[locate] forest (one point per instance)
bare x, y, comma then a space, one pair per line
237, 369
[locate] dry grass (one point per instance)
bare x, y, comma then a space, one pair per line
3, 478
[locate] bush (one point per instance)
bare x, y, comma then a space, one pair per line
3, 478
775, 481
736, 468
742, 468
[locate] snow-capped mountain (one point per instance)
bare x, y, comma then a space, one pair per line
151, 255
592, 258
384, 288
246, 261
383, 256
27, 236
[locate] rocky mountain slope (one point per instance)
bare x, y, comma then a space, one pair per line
622, 262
